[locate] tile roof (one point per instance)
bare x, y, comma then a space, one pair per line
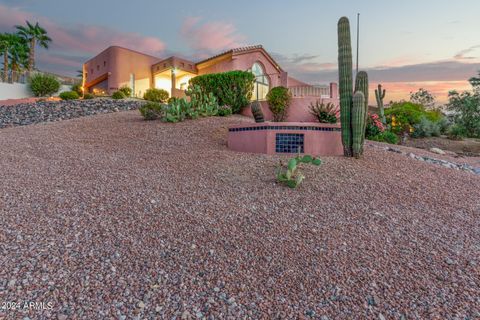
234, 50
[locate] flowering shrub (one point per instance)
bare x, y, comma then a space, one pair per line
374, 125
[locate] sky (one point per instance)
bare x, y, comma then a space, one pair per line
404, 45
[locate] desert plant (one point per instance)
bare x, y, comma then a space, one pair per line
353, 112
178, 111
402, 116
278, 99
43, 84
69, 95
202, 103
35, 35
118, 95
325, 113
88, 96
457, 132
290, 175
77, 87
171, 100
374, 126
386, 136
127, 91
224, 111
379, 96
156, 95
423, 97
257, 111
425, 128
233, 88
152, 111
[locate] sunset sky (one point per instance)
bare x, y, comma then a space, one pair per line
404, 45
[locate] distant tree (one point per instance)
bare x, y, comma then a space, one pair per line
475, 82
34, 34
423, 97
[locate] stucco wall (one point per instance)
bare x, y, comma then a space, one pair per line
20, 90
118, 63
298, 111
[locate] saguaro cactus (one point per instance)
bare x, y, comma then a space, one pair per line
345, 83
358, 123
353, 112
379, 95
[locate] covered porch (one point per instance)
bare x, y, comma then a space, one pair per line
172, 75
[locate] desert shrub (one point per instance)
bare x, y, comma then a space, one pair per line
457, 132
426, 128
171, 100
156, 95
118, 95
179, 110
127, 91
325, 113
278, 99
386, 136
402, 116
203, 104
88, 96
224, 111
77, 88
43, 85
444, 124
466, 108
374, 126
233, 88
69, 95
152, 111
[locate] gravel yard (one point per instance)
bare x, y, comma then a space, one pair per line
113, 217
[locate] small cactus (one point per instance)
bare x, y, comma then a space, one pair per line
257, 112
291, 176
379, 95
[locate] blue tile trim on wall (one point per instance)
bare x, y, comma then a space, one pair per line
289, 142
309, 128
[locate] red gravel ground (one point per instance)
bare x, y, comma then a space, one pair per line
112, 217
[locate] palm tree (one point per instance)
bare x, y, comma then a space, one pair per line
7, 41
33, 34
19, 54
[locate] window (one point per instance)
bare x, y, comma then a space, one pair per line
104, 63
98, 67
91, 71
262, 84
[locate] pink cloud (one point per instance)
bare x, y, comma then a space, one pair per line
78, 39
210, 37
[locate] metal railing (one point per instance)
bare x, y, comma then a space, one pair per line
310, 91
23, 76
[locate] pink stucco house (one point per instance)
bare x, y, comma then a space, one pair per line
116, 67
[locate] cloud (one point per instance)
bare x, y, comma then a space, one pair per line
462, 54
208, 38
73, 44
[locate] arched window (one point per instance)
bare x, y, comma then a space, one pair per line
262, 84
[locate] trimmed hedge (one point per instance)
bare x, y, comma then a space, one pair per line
43, 85
118, 95
232, 88
278, 101
156, 95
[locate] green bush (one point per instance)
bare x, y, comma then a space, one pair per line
156, 95
233, 88
77, 88
118, 95
127, 91
224, 111
171, 100
278, 101
408, 114
152, 111
69, 95
457, 132
466, 108
203, 104
426, 128
43, 85
325, 113
88, 96
386, 136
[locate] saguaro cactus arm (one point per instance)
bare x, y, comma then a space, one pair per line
358, 123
